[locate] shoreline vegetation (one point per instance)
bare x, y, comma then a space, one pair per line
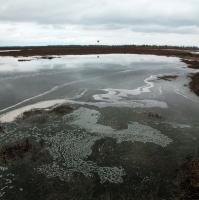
187, 178
49, 51
194, 83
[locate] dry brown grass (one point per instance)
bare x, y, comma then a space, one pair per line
187, 179
194, 83
194, 64
63, 109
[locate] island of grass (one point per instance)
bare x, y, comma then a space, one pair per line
167, 77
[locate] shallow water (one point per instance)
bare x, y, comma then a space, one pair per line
126, 133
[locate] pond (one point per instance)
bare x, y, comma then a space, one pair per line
94, 127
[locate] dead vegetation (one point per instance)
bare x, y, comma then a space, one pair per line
20, 150
50, 51
194, 64
167, 77
1, 128
194, 83
187, 179
63, 109
41, 116
155, 115
151, 114
23, 60
48, 57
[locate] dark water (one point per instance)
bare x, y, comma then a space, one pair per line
127, 131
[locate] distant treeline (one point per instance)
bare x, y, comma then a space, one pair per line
133, 45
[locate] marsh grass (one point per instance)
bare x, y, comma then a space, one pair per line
62, 109
194, 83
167, 77
194, 64
187, 179
21, 150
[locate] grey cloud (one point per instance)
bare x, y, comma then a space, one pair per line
85, 21
163, 29
101, 12
11, 29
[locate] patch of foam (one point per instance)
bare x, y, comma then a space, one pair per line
115, 95
3, 168
175, 125
70, 149
5, 183
87, 119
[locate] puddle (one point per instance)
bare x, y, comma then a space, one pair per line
8, 50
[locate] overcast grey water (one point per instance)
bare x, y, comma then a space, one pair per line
127, 130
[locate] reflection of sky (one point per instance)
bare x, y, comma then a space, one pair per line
119, 80
11, 64
8, 50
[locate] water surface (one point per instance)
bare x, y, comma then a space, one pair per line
126, 132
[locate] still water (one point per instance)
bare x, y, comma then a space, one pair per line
124, 132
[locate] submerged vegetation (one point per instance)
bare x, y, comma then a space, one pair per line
21, 150
167, 77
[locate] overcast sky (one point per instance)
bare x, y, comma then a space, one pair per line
45, 22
